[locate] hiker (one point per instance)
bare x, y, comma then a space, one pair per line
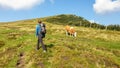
70, 31
40, 33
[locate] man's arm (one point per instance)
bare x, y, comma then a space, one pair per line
36, 30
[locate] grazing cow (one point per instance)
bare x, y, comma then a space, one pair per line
70, 31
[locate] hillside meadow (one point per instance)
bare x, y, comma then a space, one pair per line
92, 48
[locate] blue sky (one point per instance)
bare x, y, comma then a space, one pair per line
101, 11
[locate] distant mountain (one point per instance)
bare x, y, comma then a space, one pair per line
68, 19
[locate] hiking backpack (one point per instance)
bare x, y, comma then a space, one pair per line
43, 29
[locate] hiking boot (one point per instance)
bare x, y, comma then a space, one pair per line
37, 48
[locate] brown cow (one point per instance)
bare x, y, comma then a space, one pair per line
70, 31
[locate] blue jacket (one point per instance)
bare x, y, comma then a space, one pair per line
38, 29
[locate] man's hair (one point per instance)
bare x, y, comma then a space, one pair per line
39, 21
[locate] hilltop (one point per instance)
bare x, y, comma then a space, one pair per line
74, 20
64, 19
92, 48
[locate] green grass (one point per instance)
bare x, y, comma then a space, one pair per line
91, 48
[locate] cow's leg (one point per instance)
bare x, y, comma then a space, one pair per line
66, 33
75, 34
71, 34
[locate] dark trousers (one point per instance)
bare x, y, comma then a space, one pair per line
40, 41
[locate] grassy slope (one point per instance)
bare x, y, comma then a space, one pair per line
91, 49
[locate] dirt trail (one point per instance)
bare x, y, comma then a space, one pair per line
21, 62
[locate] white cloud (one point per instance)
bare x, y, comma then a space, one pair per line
19, 4
104, 6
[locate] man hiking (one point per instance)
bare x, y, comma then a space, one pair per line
40, 33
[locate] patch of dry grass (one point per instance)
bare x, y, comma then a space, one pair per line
91, 48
